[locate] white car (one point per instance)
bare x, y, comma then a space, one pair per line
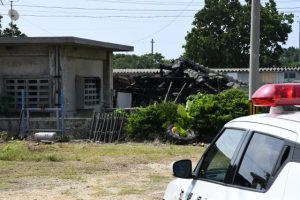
253, 158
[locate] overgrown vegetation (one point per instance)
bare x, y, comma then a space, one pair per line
21, 151
151, 122
204, 113
211, 112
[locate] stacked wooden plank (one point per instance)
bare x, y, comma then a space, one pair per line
107, 127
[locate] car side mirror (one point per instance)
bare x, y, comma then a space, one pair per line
182, 169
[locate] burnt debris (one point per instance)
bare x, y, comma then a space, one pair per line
174, 82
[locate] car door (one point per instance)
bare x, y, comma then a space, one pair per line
215, 165
241, 165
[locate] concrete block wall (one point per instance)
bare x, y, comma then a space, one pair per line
77, 128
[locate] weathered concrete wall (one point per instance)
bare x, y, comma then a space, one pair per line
78, 128
82, 62
23, 61
61, 64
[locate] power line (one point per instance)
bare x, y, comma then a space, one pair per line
33, 23
107, 9
157, 3
163, 28
118, 9
107, 16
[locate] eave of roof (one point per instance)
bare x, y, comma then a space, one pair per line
136, 71
219, 70
269, 69
63, 41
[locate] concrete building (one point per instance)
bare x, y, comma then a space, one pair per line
267, 75
45, 66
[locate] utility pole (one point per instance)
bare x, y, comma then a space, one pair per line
299, 40
152, 44
254, 78
11, 18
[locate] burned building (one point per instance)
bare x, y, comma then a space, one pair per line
169, 83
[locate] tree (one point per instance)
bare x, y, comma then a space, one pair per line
220, 36
145, 61
9, 32
290, 57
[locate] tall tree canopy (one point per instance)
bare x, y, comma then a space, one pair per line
220, 36
146, 61
290, 57
8, 32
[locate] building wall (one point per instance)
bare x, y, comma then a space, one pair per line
243, 76
265, 77
23, 61
77, 128
61, 65
80, 62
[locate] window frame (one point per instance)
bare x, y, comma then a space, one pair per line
271, 179
227, 180
92, 96
30, 84
237, 160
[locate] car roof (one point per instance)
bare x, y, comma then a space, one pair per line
288, 120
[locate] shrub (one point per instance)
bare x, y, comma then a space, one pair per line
151, 122
3, 135
211, 112
183, 122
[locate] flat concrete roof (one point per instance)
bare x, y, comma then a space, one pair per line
63, 41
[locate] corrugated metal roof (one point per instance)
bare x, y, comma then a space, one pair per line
136, 71
220, 70
269, 69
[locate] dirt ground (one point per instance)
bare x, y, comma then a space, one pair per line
131, 183
118, 177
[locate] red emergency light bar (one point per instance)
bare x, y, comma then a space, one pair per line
277, 95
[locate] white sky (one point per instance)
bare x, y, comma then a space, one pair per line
129, 22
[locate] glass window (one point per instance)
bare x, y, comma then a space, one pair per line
259, 161
289, 76
217, 160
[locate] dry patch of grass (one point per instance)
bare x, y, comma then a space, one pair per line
88, 171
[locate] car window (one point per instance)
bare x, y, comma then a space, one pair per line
259, 161
217, 160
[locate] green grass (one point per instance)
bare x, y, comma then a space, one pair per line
24, 162
25, 151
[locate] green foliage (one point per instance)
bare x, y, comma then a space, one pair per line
138, 62
205, 113
183, 122
151, 122
9, 32
220, 36
211, 112
290, 57
64, 138
54, 158
21, 151
4, 135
